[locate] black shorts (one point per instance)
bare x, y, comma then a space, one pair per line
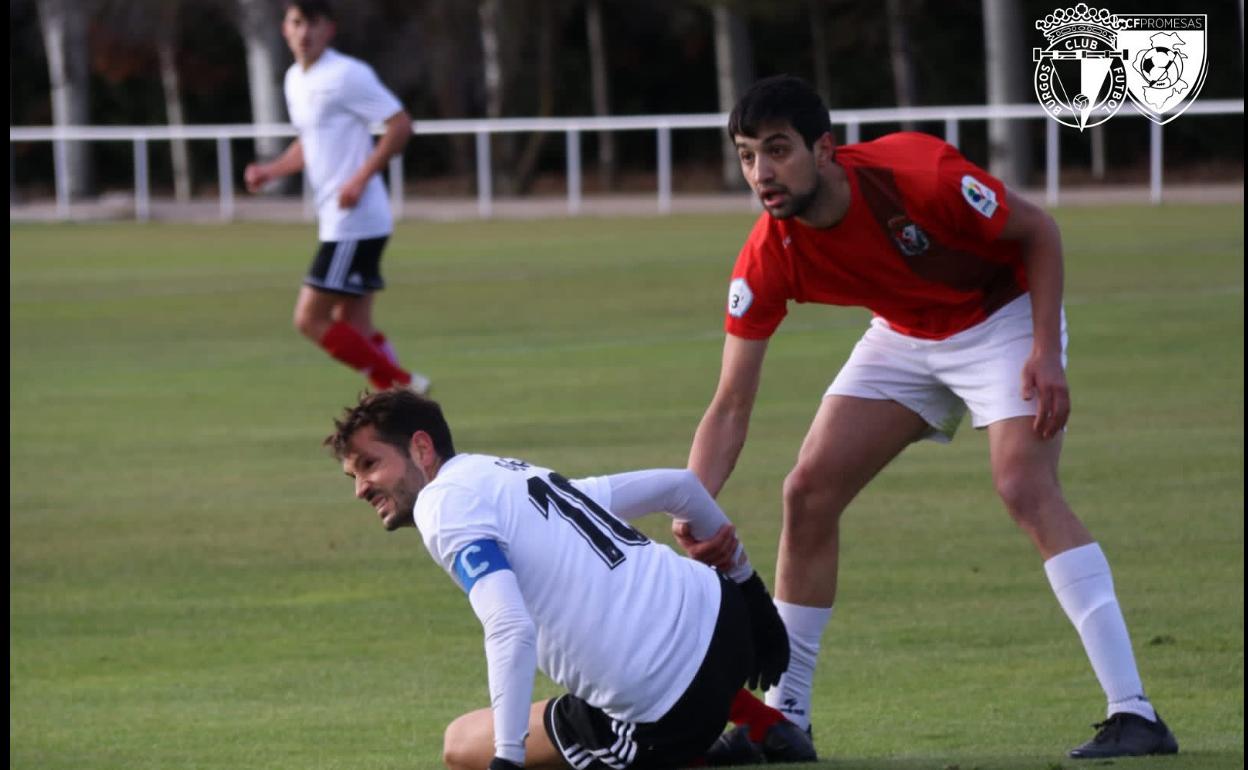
348, 267
588, 739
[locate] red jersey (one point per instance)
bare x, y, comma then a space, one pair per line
918, 246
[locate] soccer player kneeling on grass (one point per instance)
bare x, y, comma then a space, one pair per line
652, 647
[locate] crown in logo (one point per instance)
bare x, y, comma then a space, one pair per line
1080, 20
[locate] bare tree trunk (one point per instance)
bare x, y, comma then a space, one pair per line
526, 164
601, 88
900, 57
1009, 144
734, 70
492, 72
819, 42
492, 67
65, 41
258, 20
1098, 152
451, 29
165, 48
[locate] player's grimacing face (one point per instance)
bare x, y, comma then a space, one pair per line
780, 169
385, 477
307, 38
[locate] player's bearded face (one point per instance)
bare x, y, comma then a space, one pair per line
385, 478
781, 170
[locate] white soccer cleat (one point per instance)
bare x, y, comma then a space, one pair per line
420, 384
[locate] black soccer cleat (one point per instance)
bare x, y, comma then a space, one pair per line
784, 743
735, 748
1127, 735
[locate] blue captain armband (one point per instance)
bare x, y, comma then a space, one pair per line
476, 560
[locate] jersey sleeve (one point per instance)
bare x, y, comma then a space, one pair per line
450, 519
968, 200
679, 493
367, 97
758, 293
599, 489
511, 659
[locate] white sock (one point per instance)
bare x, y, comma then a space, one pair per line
1085, 588
805, 626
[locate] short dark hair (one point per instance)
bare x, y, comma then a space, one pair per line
396, 415
312, 9
781, 98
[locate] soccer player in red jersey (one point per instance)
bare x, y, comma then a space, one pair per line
964, 279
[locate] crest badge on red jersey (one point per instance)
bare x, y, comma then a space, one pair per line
909, 237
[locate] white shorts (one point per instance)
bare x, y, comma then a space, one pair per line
980, 369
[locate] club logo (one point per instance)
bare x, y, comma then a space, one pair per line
979, 195
1166, 62
909, 237
1096, 60
1080, 78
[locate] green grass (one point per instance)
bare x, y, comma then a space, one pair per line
191, 584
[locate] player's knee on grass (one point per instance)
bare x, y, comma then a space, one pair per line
465, 745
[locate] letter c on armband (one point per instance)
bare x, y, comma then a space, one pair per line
476, 560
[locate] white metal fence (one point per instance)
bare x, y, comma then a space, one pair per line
572, 128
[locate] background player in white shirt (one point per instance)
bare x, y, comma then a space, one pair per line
651, 646
333, 101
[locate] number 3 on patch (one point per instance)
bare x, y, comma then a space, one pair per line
740, 297
476, 560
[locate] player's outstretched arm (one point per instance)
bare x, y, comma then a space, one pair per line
721, 434
680, 494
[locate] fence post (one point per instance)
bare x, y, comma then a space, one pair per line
1052, 152
225, 178
60, 162
1154, 162
574, 171
142, 191
951, 131
485, 190
852, 132
665, 169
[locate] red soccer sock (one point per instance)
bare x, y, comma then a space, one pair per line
749, 710
347, 345
381, 343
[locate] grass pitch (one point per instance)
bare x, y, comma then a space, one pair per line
192, 585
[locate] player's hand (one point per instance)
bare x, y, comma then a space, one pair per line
1044, 380
771, 640
256, 176
498, 763
350, 193
718, 551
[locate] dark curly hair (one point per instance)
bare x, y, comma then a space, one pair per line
395, 414
781, 98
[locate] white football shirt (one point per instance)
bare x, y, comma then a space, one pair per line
622, 622
333, 105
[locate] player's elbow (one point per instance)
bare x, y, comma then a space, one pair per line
401, 126
511, 627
